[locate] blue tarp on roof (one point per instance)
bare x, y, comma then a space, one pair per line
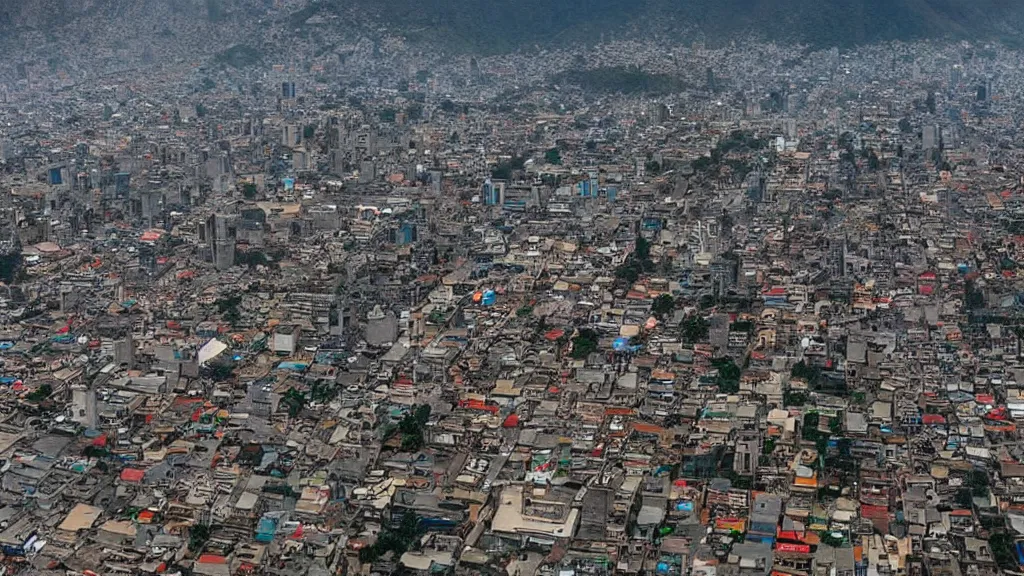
266, 529
621, 344
489, 298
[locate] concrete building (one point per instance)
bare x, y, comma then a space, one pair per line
931, 137
220, 234
286, 340
381, 327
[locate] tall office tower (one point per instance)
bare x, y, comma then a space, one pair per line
657, 113
930, 137
493, 192
149, 206
220, 234
291, 135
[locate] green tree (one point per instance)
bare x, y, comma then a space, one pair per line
308, 131
503, 171
812, 374
553, 156
294, 401
978, 481
742, 326
728, 379
40, 394
630, 272
828, 539
249, 191
663, 304
323, 391
810, 427
695, 328
198, 534
973, 297
411, 427
584, 343
10, 266
1003, 548
793, 398
964, 499
394, 540
643, 248
221, 371
835, 426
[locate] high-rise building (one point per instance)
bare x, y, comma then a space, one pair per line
59, 175
658, 113
381, 327
493, 192
956, 75
83, 402
789, 128
122, 184
220, 235
288, 90
588, 188
404, 234
300, 160
147, 258
149, 206
435, 181
930, 137
367, 171
291, 135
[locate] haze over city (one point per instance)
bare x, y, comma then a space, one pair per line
521, 287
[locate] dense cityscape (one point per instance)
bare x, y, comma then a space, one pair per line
639, 305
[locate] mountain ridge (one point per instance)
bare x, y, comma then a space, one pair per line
484, 24
496, 26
